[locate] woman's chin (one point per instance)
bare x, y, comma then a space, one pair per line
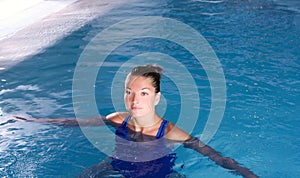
136, 114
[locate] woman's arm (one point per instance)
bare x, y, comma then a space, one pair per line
225, 162
112, 119
176, 134
68, 122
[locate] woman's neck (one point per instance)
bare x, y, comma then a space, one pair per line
145, 122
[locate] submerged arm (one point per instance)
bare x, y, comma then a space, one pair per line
68, 122
225, 162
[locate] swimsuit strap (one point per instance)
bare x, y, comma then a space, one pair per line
162, 129
160, 132
122, 130
125, 121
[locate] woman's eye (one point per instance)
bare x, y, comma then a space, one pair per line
127, 92
144, 94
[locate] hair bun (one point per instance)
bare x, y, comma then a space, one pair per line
155, 68
149, 68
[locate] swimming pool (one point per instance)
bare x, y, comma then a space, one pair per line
257, 44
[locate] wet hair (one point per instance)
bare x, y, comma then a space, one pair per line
149, 71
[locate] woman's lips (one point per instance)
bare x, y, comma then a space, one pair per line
135, 108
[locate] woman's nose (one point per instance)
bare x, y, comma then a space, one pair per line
135, 99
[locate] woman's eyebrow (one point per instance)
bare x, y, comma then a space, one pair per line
145, 88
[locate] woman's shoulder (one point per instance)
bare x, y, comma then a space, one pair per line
117, 117
175, 133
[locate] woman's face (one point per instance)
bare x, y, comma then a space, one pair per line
140, 97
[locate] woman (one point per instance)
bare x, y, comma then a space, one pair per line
141, 125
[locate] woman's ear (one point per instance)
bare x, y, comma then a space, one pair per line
157, 98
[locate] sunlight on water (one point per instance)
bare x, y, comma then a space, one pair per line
16, 15
9, 8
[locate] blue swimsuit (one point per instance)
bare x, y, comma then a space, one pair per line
138, 155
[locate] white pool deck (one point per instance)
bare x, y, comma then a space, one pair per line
29, 26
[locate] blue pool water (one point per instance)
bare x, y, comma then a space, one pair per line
257, 43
